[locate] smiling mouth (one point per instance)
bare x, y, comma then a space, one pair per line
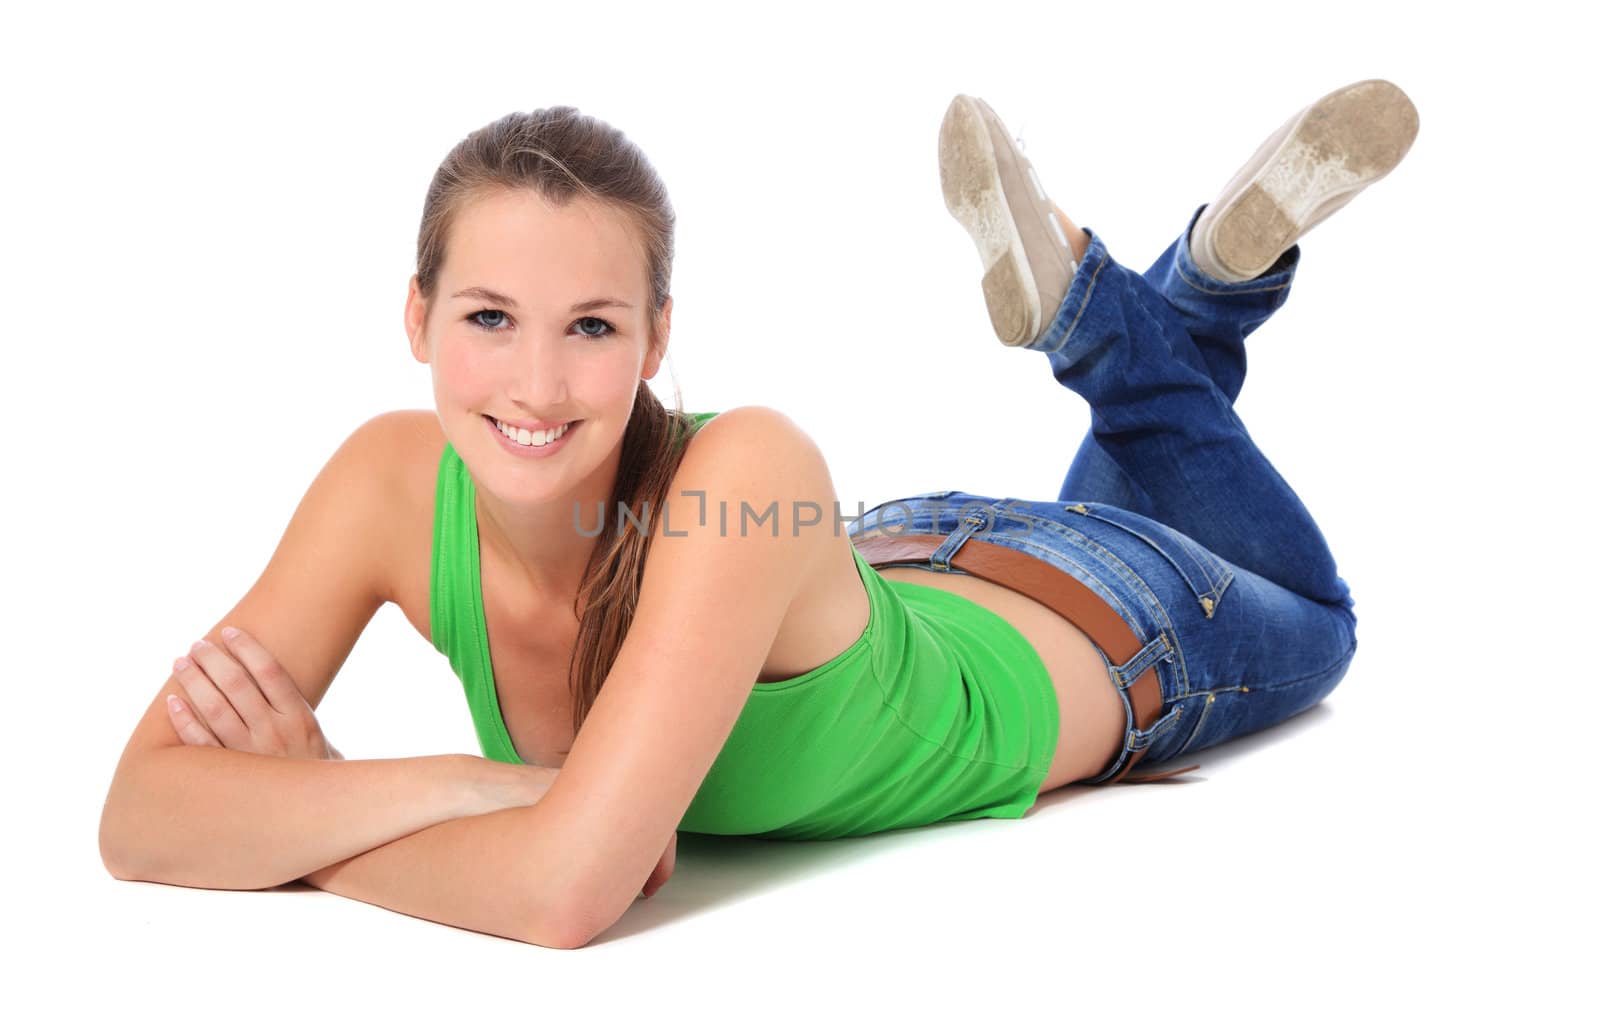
565, 428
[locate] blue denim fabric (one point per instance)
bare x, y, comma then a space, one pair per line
1169, 512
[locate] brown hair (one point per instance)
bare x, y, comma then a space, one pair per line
564, 154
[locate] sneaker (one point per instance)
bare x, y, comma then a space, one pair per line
1313, 165
993, 191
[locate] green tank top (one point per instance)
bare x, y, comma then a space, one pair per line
940, 711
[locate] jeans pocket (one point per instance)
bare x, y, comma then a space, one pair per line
1196, 738
1206, 574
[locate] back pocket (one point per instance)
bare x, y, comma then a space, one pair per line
1206, 574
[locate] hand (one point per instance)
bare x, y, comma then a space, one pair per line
240, 698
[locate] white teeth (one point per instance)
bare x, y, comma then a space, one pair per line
536, 438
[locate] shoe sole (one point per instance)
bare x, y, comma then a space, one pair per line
981, 182
1312, 166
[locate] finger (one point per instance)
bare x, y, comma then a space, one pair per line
188, 728
235, 683
209, 704
276, 686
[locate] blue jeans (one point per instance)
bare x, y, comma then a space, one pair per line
1169, 511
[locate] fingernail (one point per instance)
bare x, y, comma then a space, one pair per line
229, 633
181, 664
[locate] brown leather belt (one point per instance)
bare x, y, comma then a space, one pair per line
1056, 590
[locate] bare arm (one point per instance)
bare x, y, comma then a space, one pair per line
206, 816
480, 873
224, 819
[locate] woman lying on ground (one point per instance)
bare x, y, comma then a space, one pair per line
655, 616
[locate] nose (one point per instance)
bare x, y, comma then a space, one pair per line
539, 381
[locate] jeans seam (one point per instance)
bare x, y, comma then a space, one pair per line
1178, 267
1214, 587
1131, 579
1088, 293
1341, 659
1205, 712
1179, 666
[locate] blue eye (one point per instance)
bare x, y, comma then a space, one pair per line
603, 327
609, 328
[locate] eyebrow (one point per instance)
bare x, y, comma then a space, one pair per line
501, 299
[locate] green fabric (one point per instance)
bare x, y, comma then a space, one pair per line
939, 711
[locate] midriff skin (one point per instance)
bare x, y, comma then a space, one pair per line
1092, 716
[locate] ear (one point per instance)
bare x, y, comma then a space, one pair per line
652, 359
416, 319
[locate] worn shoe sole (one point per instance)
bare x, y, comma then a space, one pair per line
1313, 165
993, 191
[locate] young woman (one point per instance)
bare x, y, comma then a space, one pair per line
656, 619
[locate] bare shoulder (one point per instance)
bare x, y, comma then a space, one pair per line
409, 444
385, 460
769, 440
330, 572
412, 443
412, 432
754, 470
752, 418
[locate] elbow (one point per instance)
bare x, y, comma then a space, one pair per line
119, 859
563, 940
114, 863
566, 923
557, 933
579, 930
113, 847
125, 837
562, 909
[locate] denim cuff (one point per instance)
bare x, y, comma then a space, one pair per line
1066, 317
1279, 276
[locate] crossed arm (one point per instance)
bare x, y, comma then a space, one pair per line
559, 871
466, 872
256, 796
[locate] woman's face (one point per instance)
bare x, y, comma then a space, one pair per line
528, 325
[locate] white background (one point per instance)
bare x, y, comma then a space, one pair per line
210, 217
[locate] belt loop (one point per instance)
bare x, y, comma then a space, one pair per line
1133, 663
973, 522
